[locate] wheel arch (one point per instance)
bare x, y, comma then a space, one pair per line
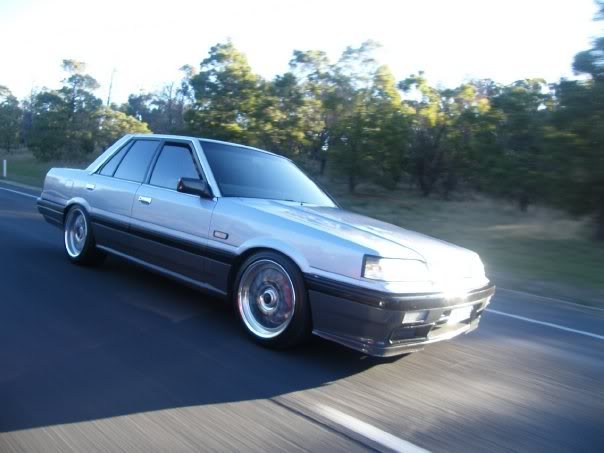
77, 201
251, 249
302, 325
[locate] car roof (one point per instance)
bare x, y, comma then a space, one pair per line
186, 137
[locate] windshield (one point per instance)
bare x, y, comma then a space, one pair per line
245, 172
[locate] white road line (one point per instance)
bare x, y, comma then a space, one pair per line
548, 324
368, 431
553, 299
20, 193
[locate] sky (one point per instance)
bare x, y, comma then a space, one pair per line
147, 41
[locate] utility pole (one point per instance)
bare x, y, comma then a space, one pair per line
110, 87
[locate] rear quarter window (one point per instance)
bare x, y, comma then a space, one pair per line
109, 168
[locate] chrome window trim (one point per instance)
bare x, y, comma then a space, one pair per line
108, 154
118, 179
197, 146
207, 170
163, 143
240, 146
192, 155
150, 165
215, 186
145, 184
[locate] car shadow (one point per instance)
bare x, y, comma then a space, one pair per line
184, 349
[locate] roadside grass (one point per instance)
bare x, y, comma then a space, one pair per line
542, 251
22, 167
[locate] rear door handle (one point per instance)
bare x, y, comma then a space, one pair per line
145, 200
90, 186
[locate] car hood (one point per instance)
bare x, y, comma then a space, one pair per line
383, 239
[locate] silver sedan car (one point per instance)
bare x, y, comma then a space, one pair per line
251, 227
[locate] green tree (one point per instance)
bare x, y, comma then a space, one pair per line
80, 104
313, 71
63, 121
10, 119
139, 106
467, 111
332, 93
430, 125
70, 123
47, 136
114, 124
521, 135
578, 138
390, 128
351, 141
279, 122
450, 130
350, 114
227, 94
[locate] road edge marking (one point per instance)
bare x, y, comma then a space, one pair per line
10, 182
547, 324
553, 299
368, 431
35, 197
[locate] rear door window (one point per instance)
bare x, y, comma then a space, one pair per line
135, 163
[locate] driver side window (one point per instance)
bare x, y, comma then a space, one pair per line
175, 161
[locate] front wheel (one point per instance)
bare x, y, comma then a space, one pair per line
78, 238
271, 301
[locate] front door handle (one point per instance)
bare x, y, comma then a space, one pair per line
90, 186
145, 200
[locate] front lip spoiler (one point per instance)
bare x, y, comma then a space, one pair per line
391, 350
394, 301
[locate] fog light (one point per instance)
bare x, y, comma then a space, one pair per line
412, 317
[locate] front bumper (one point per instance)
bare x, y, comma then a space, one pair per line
372, 321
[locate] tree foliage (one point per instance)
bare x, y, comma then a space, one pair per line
578, 136
10, 119
352, 119
227, 95
70, 122
521, 161
113, 124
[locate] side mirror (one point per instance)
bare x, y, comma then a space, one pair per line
195, 187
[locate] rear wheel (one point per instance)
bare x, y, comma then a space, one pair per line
78, 238
271, 302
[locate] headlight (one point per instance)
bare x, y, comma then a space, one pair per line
395, 270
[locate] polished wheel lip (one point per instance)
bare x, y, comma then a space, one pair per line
76, 232
245, 302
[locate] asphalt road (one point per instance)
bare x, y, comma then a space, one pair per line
118, 359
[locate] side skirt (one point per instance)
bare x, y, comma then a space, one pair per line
166, 272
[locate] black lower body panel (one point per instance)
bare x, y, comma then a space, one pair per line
52, 212
192, 261
383, 331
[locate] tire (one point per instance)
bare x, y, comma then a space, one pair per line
270, 300
78, 238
